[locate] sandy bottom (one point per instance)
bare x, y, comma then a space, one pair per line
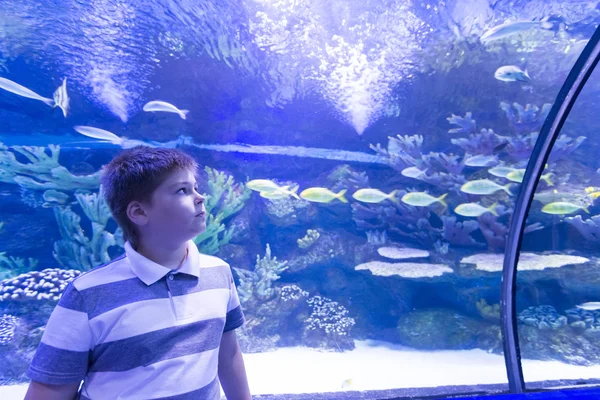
375, 365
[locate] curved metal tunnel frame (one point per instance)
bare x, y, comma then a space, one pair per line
581, 71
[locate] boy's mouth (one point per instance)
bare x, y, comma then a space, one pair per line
201, 214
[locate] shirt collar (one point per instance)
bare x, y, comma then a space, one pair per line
150, 272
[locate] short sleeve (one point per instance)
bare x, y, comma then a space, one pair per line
235, 316
63, 353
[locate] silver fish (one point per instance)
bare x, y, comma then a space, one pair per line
512, 28
511, 73
590, 306
61, 98
15, 88
97, 133
157, 105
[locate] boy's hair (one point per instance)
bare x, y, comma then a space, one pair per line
134, 175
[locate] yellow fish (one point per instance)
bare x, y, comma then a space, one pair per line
594, 195
347, 383
474, 209
267, 186
422, 199
322, 195
483, 186
518, 174
562, 208
374, 195
281, 193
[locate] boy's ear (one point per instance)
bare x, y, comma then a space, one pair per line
137, 213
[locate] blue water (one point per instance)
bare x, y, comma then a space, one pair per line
337, 95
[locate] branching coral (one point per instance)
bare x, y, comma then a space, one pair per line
43, 171
75, 250
224, 198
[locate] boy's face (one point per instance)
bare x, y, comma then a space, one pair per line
177, 211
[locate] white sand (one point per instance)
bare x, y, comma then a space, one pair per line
375, 365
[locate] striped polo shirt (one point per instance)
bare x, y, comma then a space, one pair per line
133, 329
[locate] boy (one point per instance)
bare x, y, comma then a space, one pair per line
157, 322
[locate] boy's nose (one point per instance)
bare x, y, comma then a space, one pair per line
200, 199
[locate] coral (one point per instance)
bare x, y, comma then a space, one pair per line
8, 325
11, 266
292, 293
47, 284
487, 311
344, 177
287, 211
257, 286
449, 162
458, 233
309, 239
421, 330
405, 270
328, 247
75, 250
528, 118
493, 262
376, 238
586, 320
399, 253
542, 317
486, 142
520, 148
494, 229
589, 228
398, 218
401, 151
329, 319
224, 198
43, 171
466, 124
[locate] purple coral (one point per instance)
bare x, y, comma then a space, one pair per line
329, 316
8, 326
47, 284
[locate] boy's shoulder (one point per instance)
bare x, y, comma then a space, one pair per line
115, 270
208, 261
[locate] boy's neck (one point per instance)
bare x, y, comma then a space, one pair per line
169, 256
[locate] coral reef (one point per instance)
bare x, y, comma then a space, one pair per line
490, 312
75, 250
589, 228
328, 247
8, 325
485, 143
47, 284
43, 171
224, 199
288, 211
399, 253
458, 233
586, 320
328, 325
527, 119
257, 286
405, 270
542, 317
11, 266
312, 235
493, 262
465, 124
344, 177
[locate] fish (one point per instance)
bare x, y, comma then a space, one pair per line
591, 189
484, 186
475, 209
511, 73
322, 195
500, 171
280, 193
17, 89
422, 199
157, 105
374, 196
590, 306
413, 172
481, 161
98, 133
594, 195
509, 28
262, 185
518, 174
562, 208
61, 98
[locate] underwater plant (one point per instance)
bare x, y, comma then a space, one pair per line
75, 250
11, 266
312, 235
224, 198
